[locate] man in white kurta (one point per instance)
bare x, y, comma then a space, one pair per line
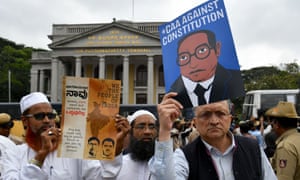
141, 147
17, 166
5, 145
37, 158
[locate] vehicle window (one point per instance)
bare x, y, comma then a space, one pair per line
271, 100
248, 106
291, 98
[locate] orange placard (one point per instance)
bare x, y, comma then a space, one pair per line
88, 109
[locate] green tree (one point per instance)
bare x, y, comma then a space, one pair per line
271, 78
17, 62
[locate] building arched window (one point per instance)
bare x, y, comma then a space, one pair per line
141, 76
161, 77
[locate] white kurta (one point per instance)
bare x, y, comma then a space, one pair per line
133, 170
5, 144
54, 168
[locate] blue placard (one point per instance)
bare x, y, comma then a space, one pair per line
183, 47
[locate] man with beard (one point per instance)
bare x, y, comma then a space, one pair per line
141, 146
37, 158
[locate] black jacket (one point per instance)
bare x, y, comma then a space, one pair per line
226, 85
246, 160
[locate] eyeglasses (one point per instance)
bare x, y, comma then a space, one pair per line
144, 126
206, 115
42, 115
201, 52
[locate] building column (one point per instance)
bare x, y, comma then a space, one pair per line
150, 84
78, 66
54, 77
125, 93
33, 80
61, 74
102, 67
42, 80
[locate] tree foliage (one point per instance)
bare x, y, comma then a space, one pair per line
272, 77
14, 58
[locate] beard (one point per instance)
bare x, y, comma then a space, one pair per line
141, 150
33, 137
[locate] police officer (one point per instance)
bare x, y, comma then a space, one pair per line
286, 160
6, 123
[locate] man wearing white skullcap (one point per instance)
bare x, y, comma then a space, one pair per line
32, 99
138, 113
141, 146
37, 158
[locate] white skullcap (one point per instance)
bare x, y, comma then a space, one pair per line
32, 99
138, 113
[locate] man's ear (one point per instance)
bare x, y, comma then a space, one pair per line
231, 117
218, 48
194, 121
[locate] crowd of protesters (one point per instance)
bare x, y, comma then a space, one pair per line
169, 139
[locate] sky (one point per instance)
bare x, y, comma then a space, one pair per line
265, 33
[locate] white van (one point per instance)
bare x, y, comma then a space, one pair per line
261, 100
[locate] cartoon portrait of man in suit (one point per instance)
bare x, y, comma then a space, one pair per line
202, 78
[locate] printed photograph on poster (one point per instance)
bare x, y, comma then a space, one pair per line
88, 110
199, 56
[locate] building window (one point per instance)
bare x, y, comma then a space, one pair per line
161, 77
141, 98
119, 73
47, 84
96, 72
70, 71
141, 76
82, 72
160, 97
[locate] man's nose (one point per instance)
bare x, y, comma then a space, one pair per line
46, 119
193, 61
214, 119
147, 130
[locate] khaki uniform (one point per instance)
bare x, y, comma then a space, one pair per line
286, 160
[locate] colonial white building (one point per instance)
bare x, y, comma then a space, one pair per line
121, 50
